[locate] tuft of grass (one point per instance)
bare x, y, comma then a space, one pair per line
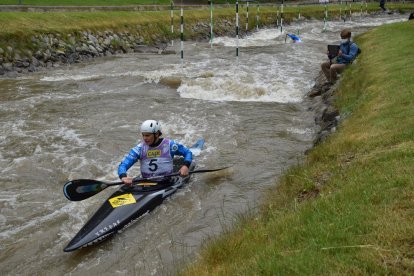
349, 209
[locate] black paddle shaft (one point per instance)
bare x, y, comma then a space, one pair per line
80, 189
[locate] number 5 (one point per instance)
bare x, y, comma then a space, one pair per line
153, 165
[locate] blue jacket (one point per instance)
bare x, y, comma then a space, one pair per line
349, 52
135, 154
294, 37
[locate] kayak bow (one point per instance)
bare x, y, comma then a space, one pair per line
126, 206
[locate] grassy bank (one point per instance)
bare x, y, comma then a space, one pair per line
18, 27
349, 210
83, 2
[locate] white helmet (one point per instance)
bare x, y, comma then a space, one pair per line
151, 126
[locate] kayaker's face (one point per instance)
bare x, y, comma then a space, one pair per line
149, 138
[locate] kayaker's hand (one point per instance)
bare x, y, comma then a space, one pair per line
183, 171
127, 180
340, 53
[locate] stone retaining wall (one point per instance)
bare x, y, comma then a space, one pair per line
54, 49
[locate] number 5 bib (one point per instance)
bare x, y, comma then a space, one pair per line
156, 161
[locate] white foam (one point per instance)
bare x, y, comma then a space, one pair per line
264, 37
71, 136
88, 76
301, 131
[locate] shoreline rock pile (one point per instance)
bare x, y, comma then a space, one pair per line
326, 114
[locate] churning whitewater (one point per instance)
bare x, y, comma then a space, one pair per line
79, 121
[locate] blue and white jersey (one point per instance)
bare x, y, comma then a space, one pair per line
155, 161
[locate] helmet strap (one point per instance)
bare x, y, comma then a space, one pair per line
156, 139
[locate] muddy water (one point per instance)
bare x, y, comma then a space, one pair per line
79, 121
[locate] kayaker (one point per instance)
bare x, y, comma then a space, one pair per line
294, 38
155, 154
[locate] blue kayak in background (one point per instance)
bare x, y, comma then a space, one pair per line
295, 38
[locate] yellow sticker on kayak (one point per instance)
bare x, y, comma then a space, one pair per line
147, 184
122, 200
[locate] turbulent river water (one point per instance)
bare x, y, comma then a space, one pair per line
79, 121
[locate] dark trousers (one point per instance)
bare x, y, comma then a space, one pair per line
382, 5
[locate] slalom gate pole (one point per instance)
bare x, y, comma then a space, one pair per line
257, 15
247, 16
172, 23
298, 20
277, 17
237, 28
211, 24
346, 10
281, 17
182, 35
325, 17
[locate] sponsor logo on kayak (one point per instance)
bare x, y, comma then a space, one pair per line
97, 240
153, 153
133, 221
122, 200
107, 228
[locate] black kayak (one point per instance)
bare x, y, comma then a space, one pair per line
127, 205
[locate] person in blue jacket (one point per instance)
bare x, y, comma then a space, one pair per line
294, 38
348, 50
155, 154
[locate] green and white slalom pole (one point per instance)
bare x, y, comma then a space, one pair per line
325, 17
346, 11
247, 16
211, 24
360, 14
340, 10
172, 23
350, 11
182, 35
237, 28
281, 17
299, 19
257, 15
277, 17
366, 8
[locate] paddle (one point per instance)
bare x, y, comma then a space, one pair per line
80, 189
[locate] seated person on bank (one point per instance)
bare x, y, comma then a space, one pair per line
346, 53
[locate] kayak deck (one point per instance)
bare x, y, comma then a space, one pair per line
126, 206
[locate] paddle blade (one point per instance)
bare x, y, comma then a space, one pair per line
80, 189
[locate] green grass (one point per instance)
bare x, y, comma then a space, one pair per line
20, 24
349, 210
83, 2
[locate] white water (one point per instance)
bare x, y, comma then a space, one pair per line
78, 122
